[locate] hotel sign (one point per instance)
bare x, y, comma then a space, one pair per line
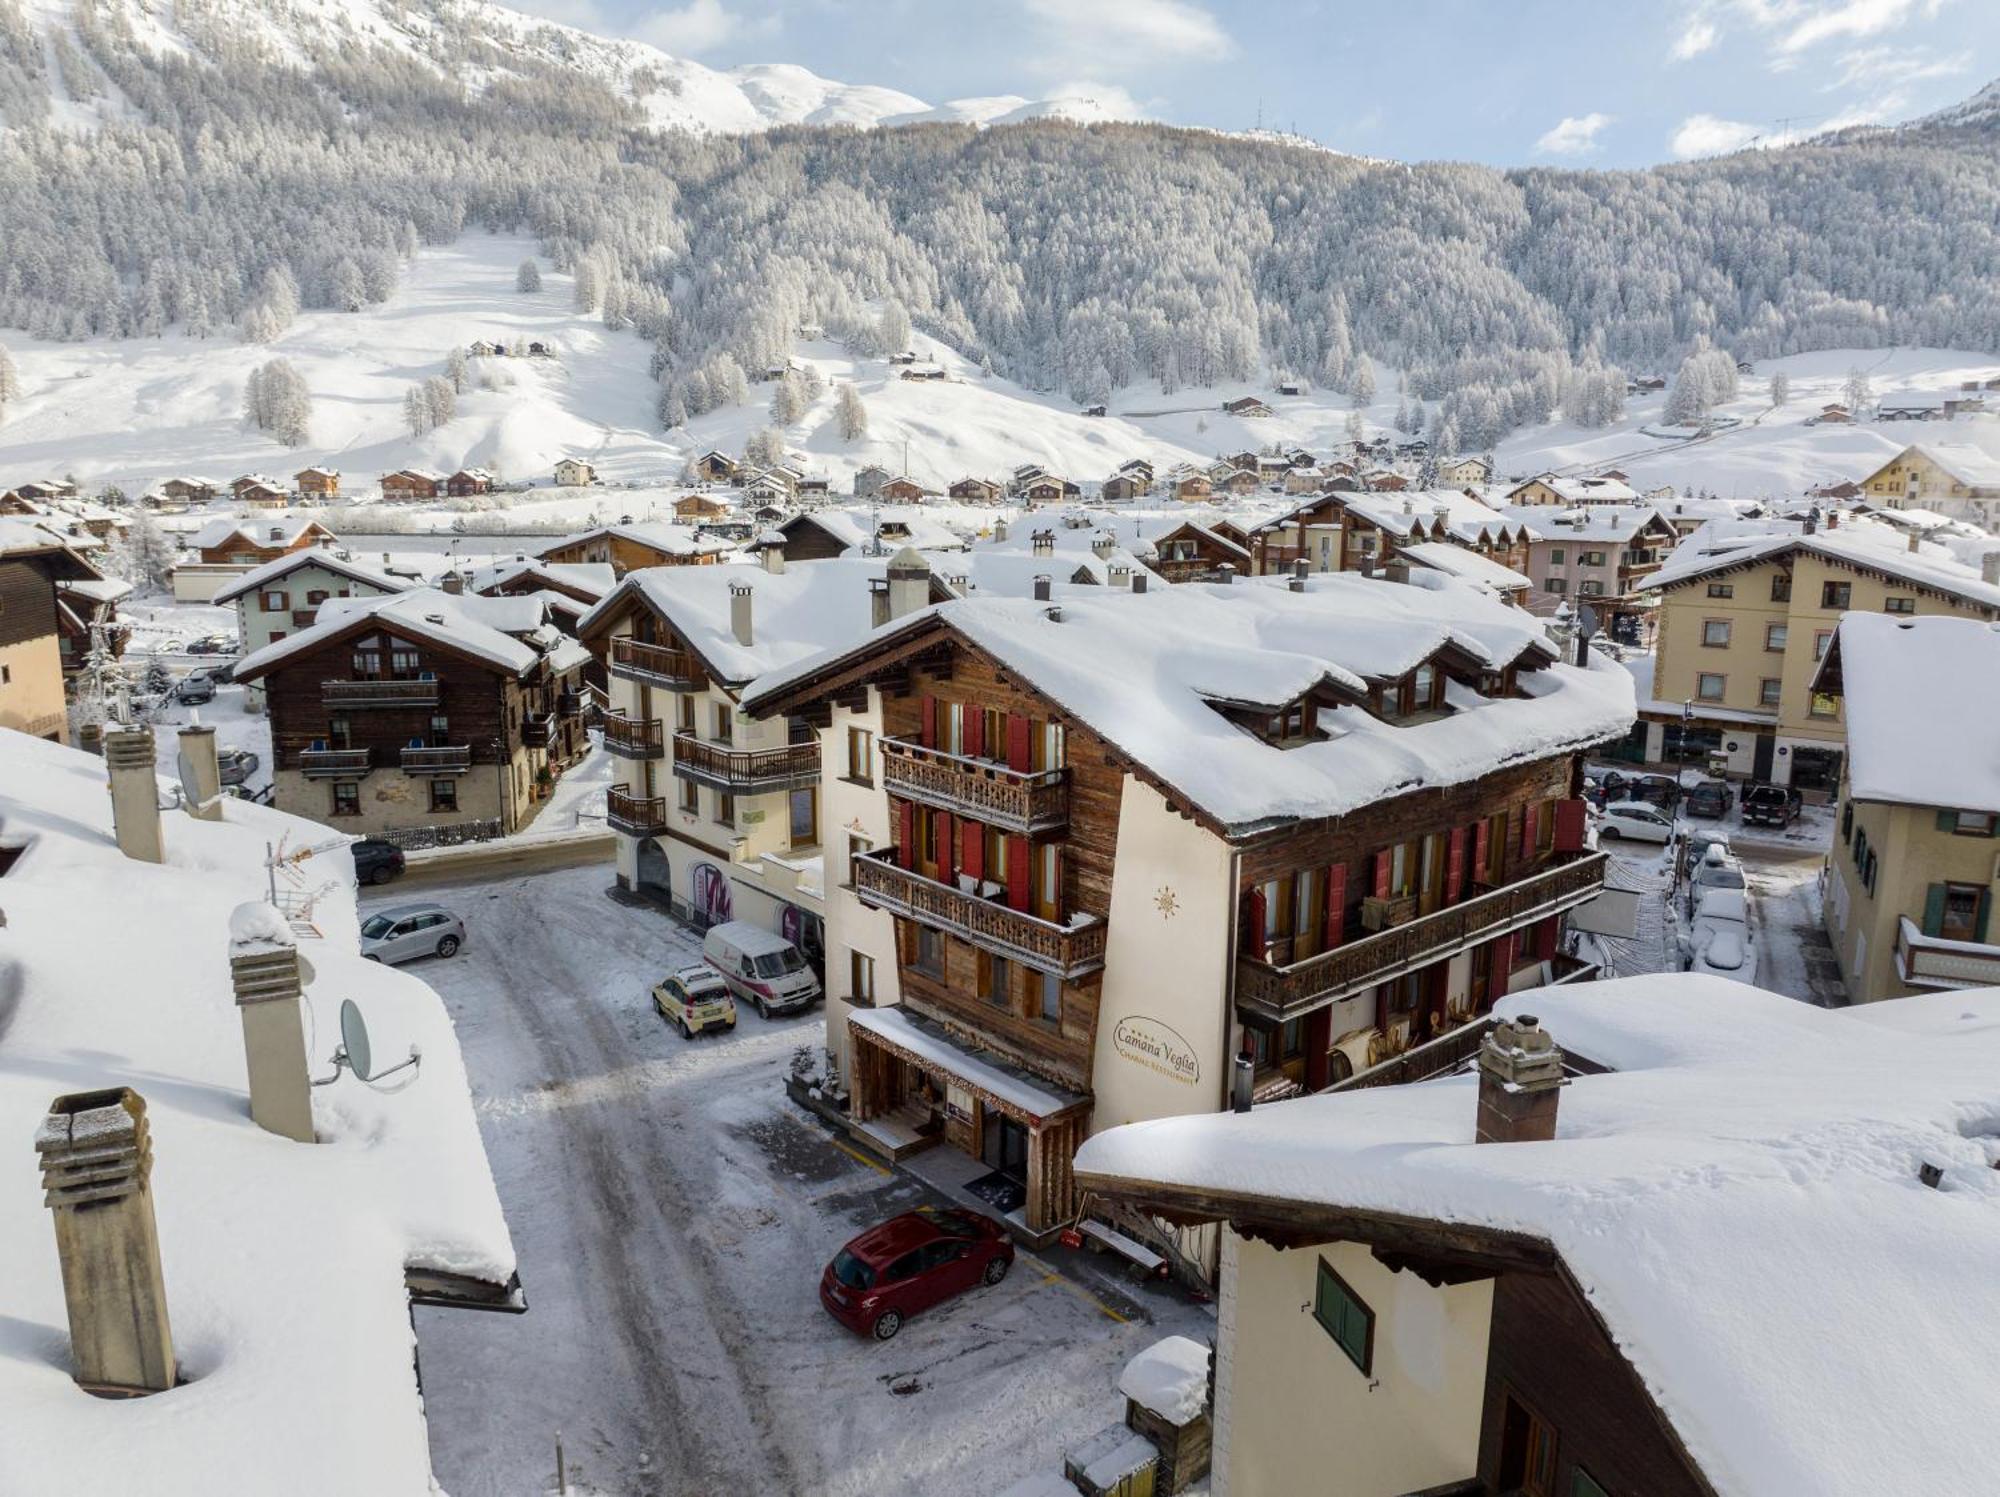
1157, 1047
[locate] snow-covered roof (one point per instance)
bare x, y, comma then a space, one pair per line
593, 577
1465, 517
668, 540
1963, 461
1738, 1199
486, 629
283, 1262
1170, 1378
1007, 1083
23, 535
274, 531
281, 567
1873, 547
988, 569
1467, 565
855, 528
1145, 673
1583, 490
1919, 732
96, 589
1607, 524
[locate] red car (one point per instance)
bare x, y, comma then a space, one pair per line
910, 1263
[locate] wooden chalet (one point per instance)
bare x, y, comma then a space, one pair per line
1192, 552
716, 467
628, 547
1245, 405
254, 542
467, 482
903, 491
189, 491
692, 509
317, 483
976, 491
410, 485
1193, 488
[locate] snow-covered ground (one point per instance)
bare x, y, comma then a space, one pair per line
673, 1212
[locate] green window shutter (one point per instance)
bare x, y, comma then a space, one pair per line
1985, 909
1947, 821
1934, 909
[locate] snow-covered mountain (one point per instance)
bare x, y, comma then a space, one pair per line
477, 44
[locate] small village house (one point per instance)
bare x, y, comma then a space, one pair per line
574, 473
317, 483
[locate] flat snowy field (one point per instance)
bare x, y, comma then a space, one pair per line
140, 411
673, 1212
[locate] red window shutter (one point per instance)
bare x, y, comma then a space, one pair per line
1503, 967
1382, 860
1481, 840
928, 733
1546, 933
1569, 826
975, 733
906, 833
1017, 872
1253, 923
1454, 867
1319, 1035
947, 845
1336, 903
1019, 751
1528, 830
972, 849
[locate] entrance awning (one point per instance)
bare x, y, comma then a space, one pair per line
992, 1080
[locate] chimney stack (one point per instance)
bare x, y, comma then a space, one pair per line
1041, 587
1367, 563
1989, 568
1226, 573
1241, 1077
1916, 542
909, 583
269, 979
1298, 583
1520, 1082
739, 612
452, 582
1833, 520
1103, 545
135, 792
1812, 520
1138, 582
1398, 570
774, 558
999, 531
201, 773
97, 1165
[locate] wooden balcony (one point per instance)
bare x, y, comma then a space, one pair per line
455, 759
746, 771
1279, 993
334, 763
657, 665
538, 732
632, 738
635, 816
1028, 803
1067, 951
380, 692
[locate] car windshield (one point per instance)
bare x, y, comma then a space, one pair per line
852, 1272
375, 927
778, 963
1719, 878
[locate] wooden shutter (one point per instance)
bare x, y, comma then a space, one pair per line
972, 849
906, 833
975, 733
1985, 910
927, 735
1336, 904
1569, 826
1528, 830
1382, 869
1503, 967
1020, 733
1253, 923
1319, 1035
947, 846
1017, 872
1454, 866
1934, 909
1546, 934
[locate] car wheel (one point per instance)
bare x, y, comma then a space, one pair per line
382, 875
448, 946
372, 957
996, 1270
1609, 831
764, 1012
887, 1324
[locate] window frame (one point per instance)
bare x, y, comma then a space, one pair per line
346, 798
1724, 590
1836, 595
1708, 626
1770, 691
1328, 1277
1776, 636
861, 756
444, 796
1721, 691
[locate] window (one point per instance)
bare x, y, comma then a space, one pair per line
725, 808
1899, 605
444, 795
725, 723
1555, 585
1590, 558
996, 976
346, 798
1583, 1484
275, 602
1768, 691
1343, 1316
1051, 998
1956, 912
1590, 588
930, 952
1836, 594
690, 797
1775, 636
1824, 705
315, 597
403, 662
860, 979
1556, 556
684, 714
1821, 639
1968, 823
1722, 589
861, 756
1710, 687
1715, 633
805, 816
1781, 587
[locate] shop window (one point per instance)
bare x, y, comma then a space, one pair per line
1345, 1316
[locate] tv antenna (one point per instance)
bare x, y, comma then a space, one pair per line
354, 1053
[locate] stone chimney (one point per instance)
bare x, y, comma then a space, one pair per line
135, 792
203, 773
1397, 570
774, 557
909, 583
1138, 582
1298, 583
999, 531
1833, 520
1102, 546
1812, 520
269, 978
1043, 542
1989, 569
1042, 587
452, 582
1520, 1081
739, 612
1119, 577
97, 1166
1226, 573
1916, 542
1367, 563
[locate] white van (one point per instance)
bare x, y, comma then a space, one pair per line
761, 967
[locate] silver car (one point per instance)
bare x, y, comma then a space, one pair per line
406, 931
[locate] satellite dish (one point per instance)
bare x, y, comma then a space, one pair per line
184, 767
1589, 617
354, 1040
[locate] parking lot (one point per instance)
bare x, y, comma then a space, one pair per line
672, 1212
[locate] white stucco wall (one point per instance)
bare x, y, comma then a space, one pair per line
847, 809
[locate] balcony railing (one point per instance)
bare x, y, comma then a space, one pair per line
1012, 800
538, 732
1932, 962
1065, 950
380, 692
633, 738
347, 761
1312, 982
746, 771
419, 759
657, 665
635, 816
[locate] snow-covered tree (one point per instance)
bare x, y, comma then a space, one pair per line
10, 379
851, 414
1357, 429
103, 684
276, 400
892, 329
145, 556
1781, 388
455, 369
416, 410
1858, 391
1361, 383
528, 277
350, 292
764, 449
439, 399
787, 400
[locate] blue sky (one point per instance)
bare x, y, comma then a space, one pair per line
1512, 82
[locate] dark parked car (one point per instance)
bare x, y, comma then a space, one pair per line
212, 644
237, 765
1771, 805
1710, 798
1661, 790
194, 690
910, 1263
376, 861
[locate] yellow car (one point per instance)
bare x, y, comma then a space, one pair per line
695, 998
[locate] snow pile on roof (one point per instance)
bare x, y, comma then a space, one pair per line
596, 578
22, 535
281, 567
1611, 523
1584, 490
905, 525
1965, 462
279, 530
1467, 519
1919, 732
1466, 565
1718, 545
657, 535
1146, 672
1170, 1377
987, 570
1739, 1200
488, 629
283, 1262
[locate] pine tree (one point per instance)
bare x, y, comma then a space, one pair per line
349, 291
851, 414
10, 379
528, 277
892, 330
416, 411
787, 401
1362, 383
455, 370
1781, 388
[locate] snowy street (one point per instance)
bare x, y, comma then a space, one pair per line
672, 1211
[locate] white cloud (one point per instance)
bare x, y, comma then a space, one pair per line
1133, 30
1705, 135
698, 26
1892, 67
1701, 34
1852, 18
1113, 101
1575, 135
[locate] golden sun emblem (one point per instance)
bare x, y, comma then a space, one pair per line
1168, 903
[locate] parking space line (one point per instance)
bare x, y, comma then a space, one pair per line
856, 1154
1050, 1276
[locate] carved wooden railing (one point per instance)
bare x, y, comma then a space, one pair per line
442, 759
334, 761
380, 692
1065, 950
1012, 800
661, 665
635, 738
1281, 992
636, 816
746, 771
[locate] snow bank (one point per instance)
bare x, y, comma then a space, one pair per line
1922, 711
1170, 1377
